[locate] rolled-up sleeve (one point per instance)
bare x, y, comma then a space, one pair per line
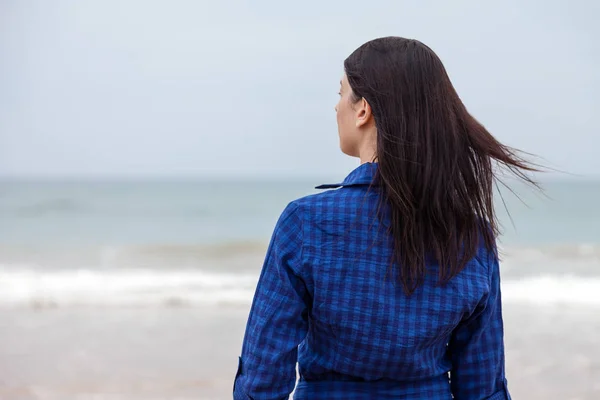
477, 348
278, 319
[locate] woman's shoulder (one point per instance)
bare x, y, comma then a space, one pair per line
333, 204
335, 197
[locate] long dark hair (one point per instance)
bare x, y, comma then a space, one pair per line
437, 164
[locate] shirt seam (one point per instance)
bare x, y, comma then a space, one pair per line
298, 213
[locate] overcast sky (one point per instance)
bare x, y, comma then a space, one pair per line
249, 87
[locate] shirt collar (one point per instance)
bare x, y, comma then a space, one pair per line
362, 175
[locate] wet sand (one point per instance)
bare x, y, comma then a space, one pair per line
191, 353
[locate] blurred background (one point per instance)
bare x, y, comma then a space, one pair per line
148, 147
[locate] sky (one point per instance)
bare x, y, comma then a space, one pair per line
248, 88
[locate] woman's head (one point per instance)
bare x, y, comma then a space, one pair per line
356, 126
436, 162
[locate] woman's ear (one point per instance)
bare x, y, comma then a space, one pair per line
363, 113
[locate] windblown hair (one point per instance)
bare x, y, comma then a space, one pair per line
437, 164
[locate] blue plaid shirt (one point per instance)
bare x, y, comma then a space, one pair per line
326, 300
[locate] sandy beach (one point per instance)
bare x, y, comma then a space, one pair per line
190, 353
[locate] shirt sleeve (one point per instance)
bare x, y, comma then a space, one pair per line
477, 348
278, 318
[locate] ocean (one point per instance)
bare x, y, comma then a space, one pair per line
141, 289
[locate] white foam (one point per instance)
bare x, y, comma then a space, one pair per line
122, 288
553, 290
135, 287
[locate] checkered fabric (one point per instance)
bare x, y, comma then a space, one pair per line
328, 300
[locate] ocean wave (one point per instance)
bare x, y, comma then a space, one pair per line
189, 288
50, 207
135, 288
553, 290
581, 260
229, 255
555, 251
221, 249
226, 273
521, 257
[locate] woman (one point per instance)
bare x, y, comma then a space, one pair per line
388, 286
